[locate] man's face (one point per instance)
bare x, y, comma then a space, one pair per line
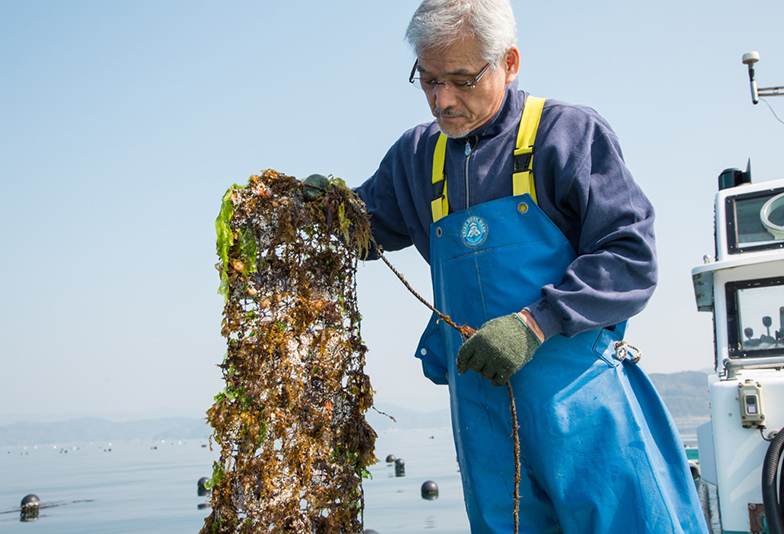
460, 112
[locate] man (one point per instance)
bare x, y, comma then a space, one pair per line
548, 269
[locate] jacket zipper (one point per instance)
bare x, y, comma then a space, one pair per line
467, 159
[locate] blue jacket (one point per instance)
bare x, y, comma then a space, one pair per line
582, 185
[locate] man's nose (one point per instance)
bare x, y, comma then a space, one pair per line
444, 96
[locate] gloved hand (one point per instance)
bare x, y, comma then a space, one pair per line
315, 184
499, 349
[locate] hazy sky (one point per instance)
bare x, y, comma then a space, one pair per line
122, 124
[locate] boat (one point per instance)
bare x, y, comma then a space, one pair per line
742, 285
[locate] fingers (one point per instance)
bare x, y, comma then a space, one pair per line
464, 356
499, 379
477, 355
470, 356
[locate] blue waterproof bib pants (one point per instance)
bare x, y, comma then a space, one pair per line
599, 451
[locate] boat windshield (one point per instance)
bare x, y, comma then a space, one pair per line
756, 317
755, 221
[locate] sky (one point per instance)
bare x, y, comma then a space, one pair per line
123, 123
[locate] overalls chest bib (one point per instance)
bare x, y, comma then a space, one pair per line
487, 261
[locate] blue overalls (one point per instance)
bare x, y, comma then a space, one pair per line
599, 451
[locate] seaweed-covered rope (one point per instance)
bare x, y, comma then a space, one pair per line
290, 421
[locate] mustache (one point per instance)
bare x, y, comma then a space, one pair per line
448, 112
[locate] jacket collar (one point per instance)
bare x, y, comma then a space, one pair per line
508, 115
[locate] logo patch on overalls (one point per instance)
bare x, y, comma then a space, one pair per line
474, 231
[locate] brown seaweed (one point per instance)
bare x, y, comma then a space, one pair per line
290, 423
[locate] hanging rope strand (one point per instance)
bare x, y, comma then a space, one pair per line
466, 332
516, 438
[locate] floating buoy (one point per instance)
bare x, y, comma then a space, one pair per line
429, 490
391, 458
371, 531
30, 501
202, 485
30, 504
400, 467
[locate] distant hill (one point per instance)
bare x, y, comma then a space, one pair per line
686, 395
91, 429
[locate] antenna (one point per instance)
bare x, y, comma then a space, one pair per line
750, 58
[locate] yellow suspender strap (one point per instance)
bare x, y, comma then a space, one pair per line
523, 177
440, 205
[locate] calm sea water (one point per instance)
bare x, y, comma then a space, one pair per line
133, 487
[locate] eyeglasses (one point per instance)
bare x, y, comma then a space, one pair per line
429, 84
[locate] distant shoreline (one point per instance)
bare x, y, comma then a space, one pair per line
97, 430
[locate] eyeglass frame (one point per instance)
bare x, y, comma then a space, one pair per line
469, 84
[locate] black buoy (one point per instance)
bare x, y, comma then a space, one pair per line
202, 485
400, 467
370, 531
30, 504
429, 490
391, 458
30, 501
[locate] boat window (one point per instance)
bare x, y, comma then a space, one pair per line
755, 221
755, 316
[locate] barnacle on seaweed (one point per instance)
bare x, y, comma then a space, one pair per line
290, 422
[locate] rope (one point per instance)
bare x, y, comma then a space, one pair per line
466, 332
516, 437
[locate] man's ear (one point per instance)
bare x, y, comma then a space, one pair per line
511, 64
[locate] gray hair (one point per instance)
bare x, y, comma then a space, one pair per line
437, 24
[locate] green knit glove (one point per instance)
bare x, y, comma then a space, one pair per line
315, 184
499, 349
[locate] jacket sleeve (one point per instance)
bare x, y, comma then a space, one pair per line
396, 200
590, 194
